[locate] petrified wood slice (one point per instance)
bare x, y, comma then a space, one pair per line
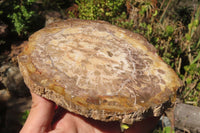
98, 70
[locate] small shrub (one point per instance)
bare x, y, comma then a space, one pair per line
19, 13
111, 11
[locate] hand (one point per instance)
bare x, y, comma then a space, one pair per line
43, 119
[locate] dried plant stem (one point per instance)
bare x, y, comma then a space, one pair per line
189, 53
163, 14
162, 4
178, 67
191, 86
196, 59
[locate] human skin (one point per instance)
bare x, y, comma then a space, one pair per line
43, 119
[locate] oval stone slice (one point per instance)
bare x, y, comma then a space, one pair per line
98, 70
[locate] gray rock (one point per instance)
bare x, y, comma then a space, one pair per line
13, 80
165, 121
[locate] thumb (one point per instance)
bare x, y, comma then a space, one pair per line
40, 116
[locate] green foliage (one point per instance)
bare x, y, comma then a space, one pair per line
124, 127
24, 116
164, 130
108, 10
146, 8
99, 9
19, 13
169, 30
191, 77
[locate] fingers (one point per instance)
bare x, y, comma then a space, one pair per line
40, 117
73, 123
64, 121
42, 112
103, 127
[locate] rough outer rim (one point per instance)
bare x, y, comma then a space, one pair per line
129, 118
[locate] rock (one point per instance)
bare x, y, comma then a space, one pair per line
165, 121
10, 77
13, 80
187, 118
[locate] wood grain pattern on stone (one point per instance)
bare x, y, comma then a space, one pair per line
98, 70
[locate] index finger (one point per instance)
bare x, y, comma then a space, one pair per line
40, 117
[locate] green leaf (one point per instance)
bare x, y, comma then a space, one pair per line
188, 37
196, 59
168, 130
198, 86
24, 117
190, 26
155, 13
124, 126
169, 30
196, 22
189, 80
149, 28
31, 1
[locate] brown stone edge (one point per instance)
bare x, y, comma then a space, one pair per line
123, 117
96, 114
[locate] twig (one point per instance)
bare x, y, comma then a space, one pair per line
179, 65
163, 14
196, 59
162, 4
189, 53
187, 131
191, 87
